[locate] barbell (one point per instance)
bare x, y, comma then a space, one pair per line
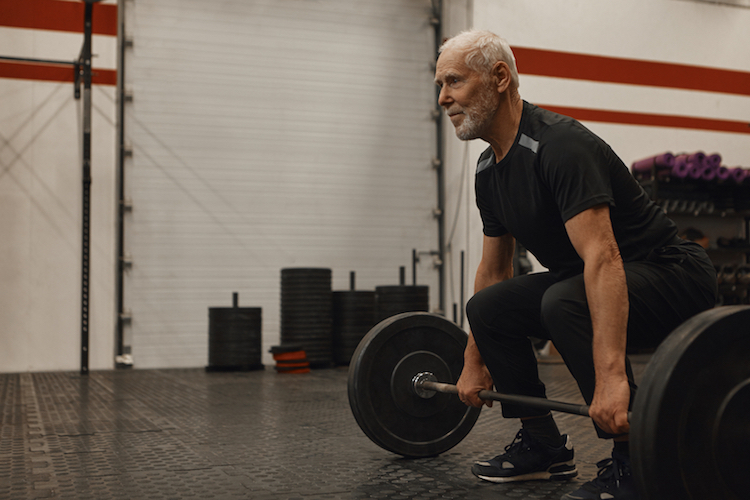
689, 424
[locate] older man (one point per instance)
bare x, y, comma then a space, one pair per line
617, 276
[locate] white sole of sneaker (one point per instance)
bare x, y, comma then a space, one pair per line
536, 476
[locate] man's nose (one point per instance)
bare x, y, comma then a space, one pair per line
444, 97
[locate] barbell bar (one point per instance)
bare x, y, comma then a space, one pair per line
426, 385
689, 425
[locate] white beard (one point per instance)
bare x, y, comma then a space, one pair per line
478, 116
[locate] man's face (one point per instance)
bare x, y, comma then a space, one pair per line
469, 100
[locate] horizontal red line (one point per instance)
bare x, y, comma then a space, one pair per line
653, 120
630, 71
53, 73
57, 15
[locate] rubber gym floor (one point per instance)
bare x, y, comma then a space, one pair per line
173, 434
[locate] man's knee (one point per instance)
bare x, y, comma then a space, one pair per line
564, 306
476, 308
501, 305
508, 309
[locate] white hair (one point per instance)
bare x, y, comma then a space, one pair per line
483, 49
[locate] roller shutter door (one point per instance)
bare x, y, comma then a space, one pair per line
265, 135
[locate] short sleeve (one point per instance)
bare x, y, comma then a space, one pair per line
491, 225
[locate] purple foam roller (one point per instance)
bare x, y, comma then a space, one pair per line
699, 157
681, 168
737, 174
722, 173
708, 174
660, 162
695, 170
713, 160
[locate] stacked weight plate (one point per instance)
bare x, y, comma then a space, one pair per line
290, 359
306, 313
398, 299
234, 338
353, 316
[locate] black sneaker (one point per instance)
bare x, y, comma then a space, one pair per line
526, 459
614, 481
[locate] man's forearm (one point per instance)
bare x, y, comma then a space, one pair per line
483, 280
471, 353
488, 277
607, 295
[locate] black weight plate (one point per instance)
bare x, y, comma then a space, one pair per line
354, 315
307, 304
397, 297
355, 294
401, 289
731, 438
315, 299
303, 333
690, 430
306, 307
389, 412
309, 322
398, 302
305, 271
309, 278
406, 306
301, 287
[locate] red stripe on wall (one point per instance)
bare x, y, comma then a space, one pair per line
672, 121
53, 73
630, 71
57, 15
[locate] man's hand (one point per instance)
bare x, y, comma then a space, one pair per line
474, 378
609, 408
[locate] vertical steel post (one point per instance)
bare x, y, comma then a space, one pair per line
120, 286
463, 299
85, 65
436, 20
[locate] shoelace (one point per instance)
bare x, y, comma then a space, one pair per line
519, 441
610, 469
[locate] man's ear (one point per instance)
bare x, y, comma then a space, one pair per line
501, 76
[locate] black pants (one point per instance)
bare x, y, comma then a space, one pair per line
673, 284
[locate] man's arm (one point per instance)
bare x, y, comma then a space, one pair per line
496, 265
607, 294
497, 261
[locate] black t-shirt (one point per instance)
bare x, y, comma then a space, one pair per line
555, 170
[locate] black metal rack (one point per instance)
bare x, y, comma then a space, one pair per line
705, 202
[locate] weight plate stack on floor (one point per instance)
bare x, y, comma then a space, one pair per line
690, 435
234, 338
306, 313
381, 388
397, 299
290, 359
353, 316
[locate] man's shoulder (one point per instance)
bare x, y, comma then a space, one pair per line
543, 123
557, 133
